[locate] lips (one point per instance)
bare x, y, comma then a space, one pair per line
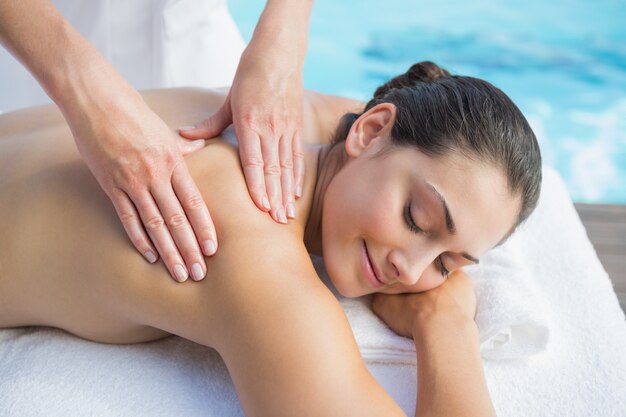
369, 270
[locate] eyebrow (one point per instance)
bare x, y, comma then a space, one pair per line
450, 226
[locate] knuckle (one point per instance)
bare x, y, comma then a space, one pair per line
253, 161
248, 119
272, 169
194, 202
154, 223
176, 221
286, 163
124, 175
127, 218
298, 154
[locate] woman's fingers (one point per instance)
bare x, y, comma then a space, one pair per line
298, 163
176, 228
195, 209
252, 163
394, 311
155, 224
211, 126
180, 232
133, 226
286, 176
187, 146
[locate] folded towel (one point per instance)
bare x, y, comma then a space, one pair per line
511, 317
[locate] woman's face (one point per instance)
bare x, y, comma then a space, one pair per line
395, 221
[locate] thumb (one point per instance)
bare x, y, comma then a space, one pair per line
187, 146
211, 126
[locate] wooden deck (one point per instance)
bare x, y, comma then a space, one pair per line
606, 228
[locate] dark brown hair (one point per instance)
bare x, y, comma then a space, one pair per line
440, 113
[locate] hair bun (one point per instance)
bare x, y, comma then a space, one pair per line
422, 72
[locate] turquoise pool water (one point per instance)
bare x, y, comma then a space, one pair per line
562, 62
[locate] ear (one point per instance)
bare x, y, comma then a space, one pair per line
376, 123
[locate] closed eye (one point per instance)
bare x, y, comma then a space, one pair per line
444, 272
408, 218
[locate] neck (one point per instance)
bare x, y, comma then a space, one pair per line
330, 160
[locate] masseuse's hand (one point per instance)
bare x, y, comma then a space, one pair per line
139, 163
453, 300
134, 156
265, 105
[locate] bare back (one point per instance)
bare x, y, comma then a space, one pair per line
65, 258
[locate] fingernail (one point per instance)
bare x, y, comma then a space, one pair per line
291, 211
196, 272
299, 191
266, 203
185, 128
150, 256
180, 273
280, 213
209, 247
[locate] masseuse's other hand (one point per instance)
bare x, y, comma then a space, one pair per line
139, 163
265, 105
454, 299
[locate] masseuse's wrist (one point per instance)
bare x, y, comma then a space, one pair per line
93, 89
283, 26
82, 80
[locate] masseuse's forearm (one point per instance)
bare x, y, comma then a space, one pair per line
65, 64
284, 24
451, 380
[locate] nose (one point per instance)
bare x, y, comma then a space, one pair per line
409, 266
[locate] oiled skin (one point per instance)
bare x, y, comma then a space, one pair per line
65, 261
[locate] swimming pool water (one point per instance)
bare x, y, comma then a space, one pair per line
562, 62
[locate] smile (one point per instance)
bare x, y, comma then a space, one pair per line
369, 270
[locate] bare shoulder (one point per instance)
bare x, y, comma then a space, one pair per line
323, 112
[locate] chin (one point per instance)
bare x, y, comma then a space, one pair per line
341, 282
346, 289
349, 292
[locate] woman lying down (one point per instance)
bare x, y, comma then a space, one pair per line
433, 172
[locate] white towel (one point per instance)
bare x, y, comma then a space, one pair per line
511, 317
511, 314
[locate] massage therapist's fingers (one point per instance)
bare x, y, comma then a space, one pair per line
187, 146
177, 224
286, 176
133, 226
211, 126
154, 224
252, 163
272, 171
298, 163
195, 208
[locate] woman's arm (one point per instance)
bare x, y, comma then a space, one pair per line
265, 107
450, 375
136, 159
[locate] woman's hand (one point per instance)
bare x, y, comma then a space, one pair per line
134, 156
138, 162
454, 299
450, 377
265, 105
